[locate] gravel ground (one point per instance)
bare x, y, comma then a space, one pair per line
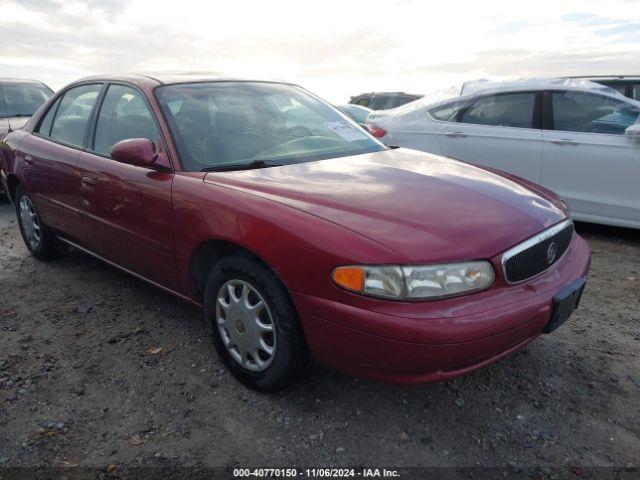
98, 369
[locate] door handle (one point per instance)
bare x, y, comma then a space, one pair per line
456, 134
28, 159
88, 181
564, 141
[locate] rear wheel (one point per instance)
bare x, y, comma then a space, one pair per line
38, 238
254, 325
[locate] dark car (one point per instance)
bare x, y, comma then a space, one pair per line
19, 99
383, 100
628, 85
302, 243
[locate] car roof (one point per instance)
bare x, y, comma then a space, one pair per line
19, 80
487, 86
172, 78
607, 77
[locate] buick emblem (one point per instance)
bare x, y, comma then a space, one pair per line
552, 251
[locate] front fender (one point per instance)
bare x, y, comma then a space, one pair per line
301, 249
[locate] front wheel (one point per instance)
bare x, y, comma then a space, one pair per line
38, 238
253, 324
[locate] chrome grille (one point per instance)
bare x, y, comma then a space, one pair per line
538, 253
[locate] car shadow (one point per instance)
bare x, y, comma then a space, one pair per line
629, 236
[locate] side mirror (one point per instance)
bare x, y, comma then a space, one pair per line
135, 151
633, 130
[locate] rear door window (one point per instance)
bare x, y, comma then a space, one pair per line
618, 87
502, 110
74, 111
45, 125
124, 114
575, 111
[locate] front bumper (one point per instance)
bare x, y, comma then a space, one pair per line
416, 350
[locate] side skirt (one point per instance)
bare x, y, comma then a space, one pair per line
134, 274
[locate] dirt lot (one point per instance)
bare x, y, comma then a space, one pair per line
83, 381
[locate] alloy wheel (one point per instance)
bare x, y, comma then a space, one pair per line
30, 223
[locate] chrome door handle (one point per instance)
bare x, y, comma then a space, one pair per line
88, 181
28, 159
564, 141
456, 134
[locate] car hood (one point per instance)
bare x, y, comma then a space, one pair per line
12, 123
423, 206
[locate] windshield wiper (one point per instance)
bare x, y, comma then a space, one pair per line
16, 115
225, 167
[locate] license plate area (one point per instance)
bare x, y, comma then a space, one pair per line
564, 303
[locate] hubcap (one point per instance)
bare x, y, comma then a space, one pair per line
245, 325
30, 222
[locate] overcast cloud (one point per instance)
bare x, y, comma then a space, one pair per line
335, 48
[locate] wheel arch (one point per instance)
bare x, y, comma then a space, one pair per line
207, 253
12, 183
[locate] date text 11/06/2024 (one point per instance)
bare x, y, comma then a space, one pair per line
316, 472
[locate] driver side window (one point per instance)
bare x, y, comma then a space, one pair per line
124, 114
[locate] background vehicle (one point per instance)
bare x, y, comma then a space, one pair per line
627, 85
383, 100
19, 99
357, 112
576, 138
298, 240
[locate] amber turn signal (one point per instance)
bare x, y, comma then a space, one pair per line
351, 278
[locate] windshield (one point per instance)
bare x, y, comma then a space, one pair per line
22, 99
220, 123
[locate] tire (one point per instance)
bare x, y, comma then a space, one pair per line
291, 359
46, 247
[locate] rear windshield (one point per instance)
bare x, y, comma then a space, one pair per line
220, 123
22, 99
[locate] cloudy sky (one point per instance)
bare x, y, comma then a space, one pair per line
335, 48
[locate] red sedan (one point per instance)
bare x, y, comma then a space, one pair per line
303, 237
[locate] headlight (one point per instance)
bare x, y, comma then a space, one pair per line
415, 282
